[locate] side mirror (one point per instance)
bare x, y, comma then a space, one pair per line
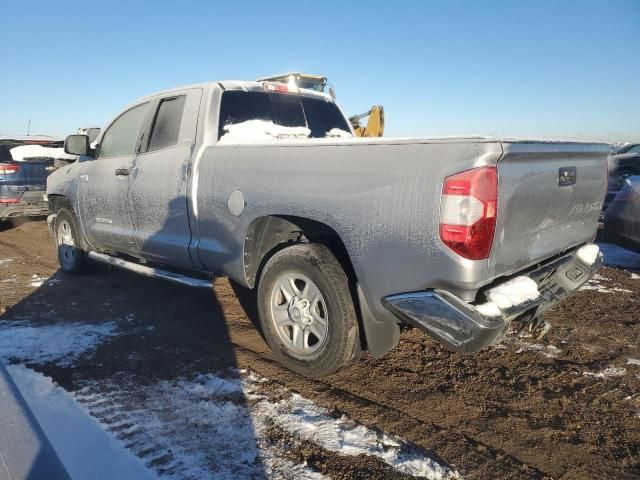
77, 145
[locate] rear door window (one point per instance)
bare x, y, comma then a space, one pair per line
122, 137
166, 126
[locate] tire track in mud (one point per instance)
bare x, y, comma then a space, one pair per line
112, 409
27, 257
452, 445
168, 426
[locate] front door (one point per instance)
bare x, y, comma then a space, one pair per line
103, 184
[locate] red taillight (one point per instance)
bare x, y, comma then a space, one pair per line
468, 211
279, 88
9, 200
9, 168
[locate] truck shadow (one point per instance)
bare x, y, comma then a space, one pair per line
164, 334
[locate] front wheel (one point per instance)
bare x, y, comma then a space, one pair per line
71, 256
306, 311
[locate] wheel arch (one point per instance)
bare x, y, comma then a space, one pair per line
58, 201
269, 234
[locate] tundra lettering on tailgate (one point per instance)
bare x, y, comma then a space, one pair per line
585, 208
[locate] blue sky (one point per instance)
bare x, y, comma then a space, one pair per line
563, 69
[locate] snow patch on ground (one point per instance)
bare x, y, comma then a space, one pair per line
21, 342
633, 361
596, 283
85, 449
609, 372
303, 418
615, 256
5, 261
214, 427
549, 351
37, 280
253, 131
589, 253
516, 291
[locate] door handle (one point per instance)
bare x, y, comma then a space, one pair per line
122, 171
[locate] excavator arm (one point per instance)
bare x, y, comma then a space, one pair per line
375, 124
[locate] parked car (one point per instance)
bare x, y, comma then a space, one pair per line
623, 164
622, 218
91, 132
344, 239
23, 173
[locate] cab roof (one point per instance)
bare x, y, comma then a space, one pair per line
244, 85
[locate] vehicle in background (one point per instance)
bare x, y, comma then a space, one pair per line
344, 239
91, 132
622, 218
307, 81
375, 122
623, 164
626, 148
24, 164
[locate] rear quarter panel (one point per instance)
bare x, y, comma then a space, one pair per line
382, 198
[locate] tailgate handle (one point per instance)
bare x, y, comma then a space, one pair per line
122, 171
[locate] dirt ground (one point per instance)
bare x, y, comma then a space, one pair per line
567, 406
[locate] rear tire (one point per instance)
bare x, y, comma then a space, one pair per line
71, 256
306, 311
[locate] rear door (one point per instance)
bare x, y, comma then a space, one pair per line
158, 181
103, 183
550, 196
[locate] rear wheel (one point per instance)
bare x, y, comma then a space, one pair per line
71, 256
306, 311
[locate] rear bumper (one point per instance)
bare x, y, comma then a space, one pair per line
461, 326
30, 204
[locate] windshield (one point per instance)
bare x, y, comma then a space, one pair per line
319, 116
634, 148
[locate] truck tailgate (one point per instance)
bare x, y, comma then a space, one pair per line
550, 196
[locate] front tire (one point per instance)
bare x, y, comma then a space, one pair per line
306, 311
71, 256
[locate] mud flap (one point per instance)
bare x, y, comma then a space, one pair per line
382, 334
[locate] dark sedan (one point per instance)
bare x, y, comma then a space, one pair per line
622, 218
623, 164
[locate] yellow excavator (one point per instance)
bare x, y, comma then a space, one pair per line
375, 123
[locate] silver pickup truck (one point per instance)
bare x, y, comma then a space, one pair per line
345, 239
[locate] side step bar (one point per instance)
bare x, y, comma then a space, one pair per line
150, 271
